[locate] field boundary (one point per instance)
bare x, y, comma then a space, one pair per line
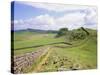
39, 66
43, 45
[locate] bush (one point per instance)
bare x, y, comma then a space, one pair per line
77, 35
61, 32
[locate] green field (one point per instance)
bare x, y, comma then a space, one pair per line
26, 40
80, 55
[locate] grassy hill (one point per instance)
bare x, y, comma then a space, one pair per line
77, 55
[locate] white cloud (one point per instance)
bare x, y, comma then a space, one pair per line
47, 22
71, 18
55, 7
38, 22
91, 17
88, 18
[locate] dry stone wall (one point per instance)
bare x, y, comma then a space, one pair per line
26, 60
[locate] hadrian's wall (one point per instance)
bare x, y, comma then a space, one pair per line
26, 60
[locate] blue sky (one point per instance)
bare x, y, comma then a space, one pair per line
22, 11
48, 16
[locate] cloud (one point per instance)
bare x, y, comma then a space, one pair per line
47, 22
44, 20
38, 22
71, 18
91, 17
56, 7
83, 16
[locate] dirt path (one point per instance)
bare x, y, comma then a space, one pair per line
39, 66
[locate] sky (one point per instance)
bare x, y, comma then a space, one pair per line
47, 16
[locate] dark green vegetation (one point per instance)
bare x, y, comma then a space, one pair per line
67, 49
62, 32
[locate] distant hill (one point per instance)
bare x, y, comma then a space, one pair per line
35, 30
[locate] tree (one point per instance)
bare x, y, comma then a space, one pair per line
61, 32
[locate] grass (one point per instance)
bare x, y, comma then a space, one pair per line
85, 55
82, 53
34, 40
23, 51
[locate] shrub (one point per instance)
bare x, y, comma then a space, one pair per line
62, 32
77, 35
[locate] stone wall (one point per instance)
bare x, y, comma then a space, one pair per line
26, 60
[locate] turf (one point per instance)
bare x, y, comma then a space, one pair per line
82, 54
